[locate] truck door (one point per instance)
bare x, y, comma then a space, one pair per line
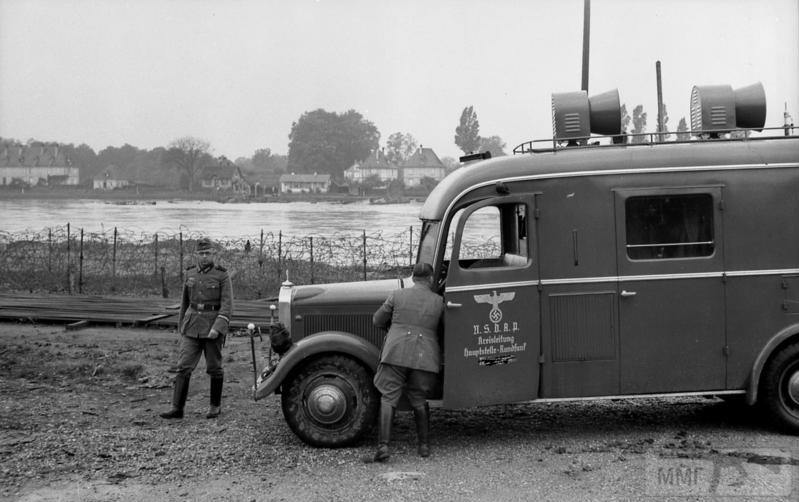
671, 290
491, 341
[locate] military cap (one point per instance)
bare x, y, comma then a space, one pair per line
205, 244
422, 270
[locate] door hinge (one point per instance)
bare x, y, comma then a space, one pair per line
536, 213
726, 350
541, 359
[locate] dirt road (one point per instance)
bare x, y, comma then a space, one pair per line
79, 421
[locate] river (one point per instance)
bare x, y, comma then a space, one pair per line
209, 218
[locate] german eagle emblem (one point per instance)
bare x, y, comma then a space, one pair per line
494, 300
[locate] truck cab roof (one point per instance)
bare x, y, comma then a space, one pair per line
714, 154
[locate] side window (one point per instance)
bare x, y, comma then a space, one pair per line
492, 236
669, 226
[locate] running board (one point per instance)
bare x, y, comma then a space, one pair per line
439, 403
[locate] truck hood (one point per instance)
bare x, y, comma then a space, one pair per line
346, 293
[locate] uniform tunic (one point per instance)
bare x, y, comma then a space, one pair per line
207, 303
411, 355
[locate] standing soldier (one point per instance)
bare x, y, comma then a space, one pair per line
411, 356
203, 322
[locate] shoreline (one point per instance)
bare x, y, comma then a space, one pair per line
143, 197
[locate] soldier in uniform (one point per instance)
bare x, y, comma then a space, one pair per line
205, 311
411, 357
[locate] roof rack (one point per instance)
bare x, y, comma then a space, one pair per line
651, 139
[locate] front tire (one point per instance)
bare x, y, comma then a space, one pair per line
330, 401
780, 391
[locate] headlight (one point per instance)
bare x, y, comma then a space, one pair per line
284, 304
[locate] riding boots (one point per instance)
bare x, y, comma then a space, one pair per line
422, 416
216, 397
386, 419
179, 393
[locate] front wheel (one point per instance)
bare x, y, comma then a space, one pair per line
780, 391
330, 402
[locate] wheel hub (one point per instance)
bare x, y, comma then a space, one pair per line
327, 404
793, 388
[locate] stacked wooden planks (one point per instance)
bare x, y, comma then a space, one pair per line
80, 310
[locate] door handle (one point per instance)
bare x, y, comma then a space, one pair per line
451, 305
625, 293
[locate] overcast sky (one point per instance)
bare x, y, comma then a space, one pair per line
238, 73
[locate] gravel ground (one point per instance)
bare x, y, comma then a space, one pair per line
79, 422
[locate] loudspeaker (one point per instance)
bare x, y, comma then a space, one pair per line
719, 108
605, 113
576, 116
750, 106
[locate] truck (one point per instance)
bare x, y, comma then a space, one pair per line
590, 265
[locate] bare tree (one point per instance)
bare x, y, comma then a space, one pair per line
186, 154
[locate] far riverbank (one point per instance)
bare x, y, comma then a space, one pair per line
142, 195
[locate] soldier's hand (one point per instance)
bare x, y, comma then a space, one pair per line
213, 334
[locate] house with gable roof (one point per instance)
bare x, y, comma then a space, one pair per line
225, 176
424, 163
375, 165
36, 164
110, 178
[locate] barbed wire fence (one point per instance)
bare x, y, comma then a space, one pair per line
67, 260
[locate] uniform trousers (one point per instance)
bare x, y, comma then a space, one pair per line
192, 348
392, 380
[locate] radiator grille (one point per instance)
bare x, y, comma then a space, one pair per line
357, 324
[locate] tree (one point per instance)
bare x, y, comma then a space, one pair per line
467, 134
450, 163
399, 147
639, 124
187, 155
326, 142
84, 158
682, 130
493, 144
625, 119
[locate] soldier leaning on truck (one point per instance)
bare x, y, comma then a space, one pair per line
205, 311
411, 357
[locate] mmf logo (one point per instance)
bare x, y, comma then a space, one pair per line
495, 315
744, 474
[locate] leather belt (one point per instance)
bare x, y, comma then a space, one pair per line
204, 306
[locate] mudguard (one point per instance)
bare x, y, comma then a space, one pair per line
330, 342
760, 362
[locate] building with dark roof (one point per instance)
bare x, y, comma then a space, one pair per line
225, 176
424, 163
36, 164
110, 178
305, 183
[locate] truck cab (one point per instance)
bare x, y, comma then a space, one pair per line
586, 268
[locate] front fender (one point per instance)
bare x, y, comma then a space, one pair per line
760, 362
320, 343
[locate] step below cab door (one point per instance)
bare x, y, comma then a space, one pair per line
491, 340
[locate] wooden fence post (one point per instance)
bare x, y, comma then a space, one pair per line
49, 249
261, 251
180, 263
69, 264
155, 269
311, 239
410, 247
364, 254
164, 291
80, 264
114, 255
279, 254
